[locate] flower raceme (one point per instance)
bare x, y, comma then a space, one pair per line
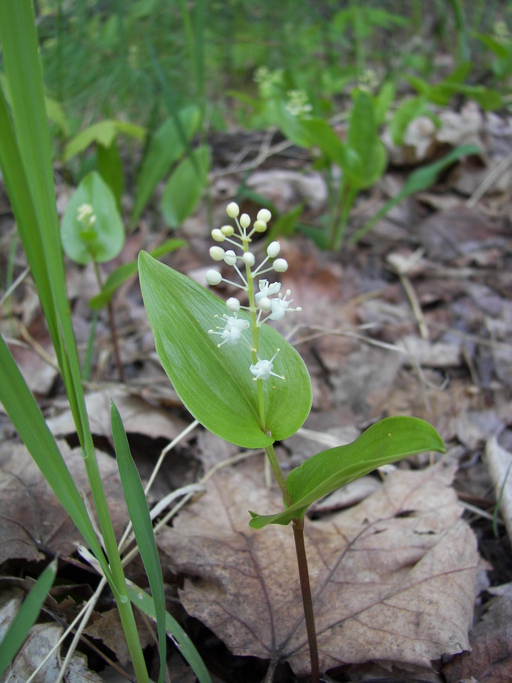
268, 303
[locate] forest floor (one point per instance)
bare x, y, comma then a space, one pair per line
414, 319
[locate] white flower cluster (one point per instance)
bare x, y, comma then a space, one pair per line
85, 215
266, 304
298, 103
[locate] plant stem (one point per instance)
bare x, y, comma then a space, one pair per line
278, 474
307, 599
346, 197
254, 331
113, 332
302, 564
298, 524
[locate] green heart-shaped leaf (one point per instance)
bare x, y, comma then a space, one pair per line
215, 384
386, 441
105, 238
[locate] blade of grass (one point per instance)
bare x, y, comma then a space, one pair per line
26, 617
29, 422
142, 528
187, 648
27, 157
31, 150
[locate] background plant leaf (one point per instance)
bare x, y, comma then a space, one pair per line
165, 147
103, 133
106, 238
368, 160
26, 617
128, 270
185, 187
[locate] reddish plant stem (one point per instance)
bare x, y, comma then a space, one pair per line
302, 563
113, 332
307, 599
115, 342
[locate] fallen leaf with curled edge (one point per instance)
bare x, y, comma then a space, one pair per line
393, 577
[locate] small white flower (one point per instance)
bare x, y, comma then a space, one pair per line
217, 253
280, 265
218, 235
233, 210
260, 226
227, 230
263, 368
266, 290
273, 249
264, 215
281, 306
213, 277
233, 330
248, 259
265, 304
233, 304
230, 257
245, 220
84, 212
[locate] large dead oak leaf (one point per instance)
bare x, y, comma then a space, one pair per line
31, 517
393, 578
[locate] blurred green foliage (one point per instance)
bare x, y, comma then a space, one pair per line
100, 56
159, 74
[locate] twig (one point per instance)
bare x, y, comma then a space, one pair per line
489, 180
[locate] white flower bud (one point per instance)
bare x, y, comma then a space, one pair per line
227, 230
217, 235
232, 209
217, 253
280, 265
245, 220
230, 257
260, 226
265, 303
273, 249
213, 277
248, 259
264, 215
233, 304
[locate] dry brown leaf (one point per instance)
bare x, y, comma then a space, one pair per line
458, 232
107, 627
499, 463
37, 372
41, 639
287, 188
424, 352
393, 578
10, 603
491, 642
139, 417
31, 517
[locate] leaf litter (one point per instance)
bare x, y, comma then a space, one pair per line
411, 550
393, 577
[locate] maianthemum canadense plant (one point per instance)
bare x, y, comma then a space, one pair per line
244, 382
